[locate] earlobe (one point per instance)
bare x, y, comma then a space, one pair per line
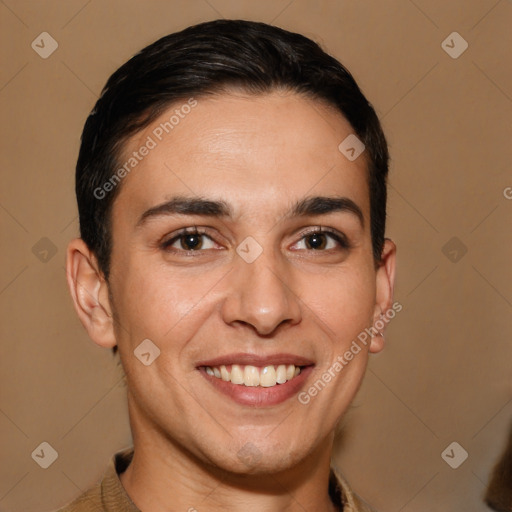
385, 282
377, 342
89, 291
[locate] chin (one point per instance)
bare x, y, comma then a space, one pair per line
263, 459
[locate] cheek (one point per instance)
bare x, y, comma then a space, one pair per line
343, 301
159, 302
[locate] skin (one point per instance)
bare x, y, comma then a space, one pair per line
259, 154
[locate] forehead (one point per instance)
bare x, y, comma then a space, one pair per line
260, 151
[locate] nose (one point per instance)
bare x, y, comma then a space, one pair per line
261, 295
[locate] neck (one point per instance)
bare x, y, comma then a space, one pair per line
163, 473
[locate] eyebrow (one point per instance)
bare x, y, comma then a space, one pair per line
309, 206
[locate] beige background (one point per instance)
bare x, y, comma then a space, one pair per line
446, 372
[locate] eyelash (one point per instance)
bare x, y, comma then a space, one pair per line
341, 239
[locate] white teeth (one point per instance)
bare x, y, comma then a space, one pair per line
253, 376
281, 374
268, 377
224, 374
237, 376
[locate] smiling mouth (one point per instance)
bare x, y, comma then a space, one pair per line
254, 376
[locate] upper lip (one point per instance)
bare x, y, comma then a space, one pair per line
257, 360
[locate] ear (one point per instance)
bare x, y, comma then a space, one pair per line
385, 282
89, 291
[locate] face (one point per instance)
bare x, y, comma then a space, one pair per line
242, 250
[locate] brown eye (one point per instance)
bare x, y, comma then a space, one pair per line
191, 242
322, 239
316, 241
188, 241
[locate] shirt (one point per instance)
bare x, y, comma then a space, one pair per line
109, 495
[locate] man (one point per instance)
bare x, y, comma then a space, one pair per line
231, 186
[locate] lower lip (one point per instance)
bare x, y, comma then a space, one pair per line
256, 395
